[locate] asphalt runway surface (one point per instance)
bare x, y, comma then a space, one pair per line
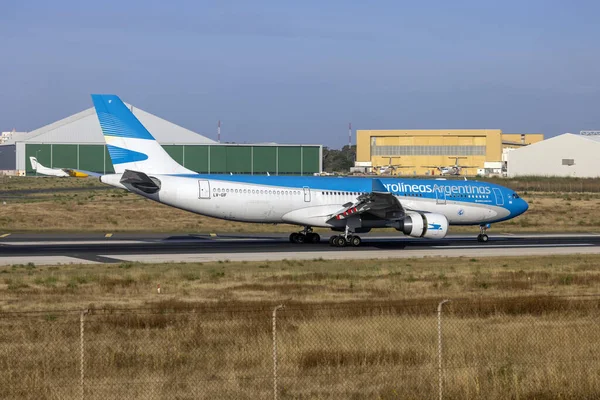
85, 248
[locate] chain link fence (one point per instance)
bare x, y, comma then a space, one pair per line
537, 348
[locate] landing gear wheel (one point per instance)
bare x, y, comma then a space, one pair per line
300, 238
482, 238
313, 238
337, 241
293, 237
355, 241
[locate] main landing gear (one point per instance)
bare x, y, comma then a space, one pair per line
343, 240
347, 239
482, 237
305, 236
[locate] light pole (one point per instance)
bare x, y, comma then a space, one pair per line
36, 160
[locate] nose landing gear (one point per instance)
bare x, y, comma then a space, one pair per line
483, 237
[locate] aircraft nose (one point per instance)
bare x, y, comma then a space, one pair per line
523, 206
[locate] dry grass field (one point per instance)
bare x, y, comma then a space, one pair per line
113, 210
519, 328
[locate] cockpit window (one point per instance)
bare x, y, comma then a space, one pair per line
516, 196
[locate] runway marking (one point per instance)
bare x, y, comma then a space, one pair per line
99, 259
108, 235
5, 235
213, 235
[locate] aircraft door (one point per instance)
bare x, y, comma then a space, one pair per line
440, 196
499, 197
306, 194
204, 186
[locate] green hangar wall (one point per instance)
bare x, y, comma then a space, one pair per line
213, 159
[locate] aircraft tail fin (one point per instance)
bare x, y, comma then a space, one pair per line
130, 145
34, 163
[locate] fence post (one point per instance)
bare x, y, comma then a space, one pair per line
81, 355
440, 371
275, 391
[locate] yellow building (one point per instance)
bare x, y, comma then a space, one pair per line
419, 152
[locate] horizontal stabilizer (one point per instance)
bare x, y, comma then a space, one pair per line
140, 181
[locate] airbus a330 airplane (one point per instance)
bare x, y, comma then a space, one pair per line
416, 207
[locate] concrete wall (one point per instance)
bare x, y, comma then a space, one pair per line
546, 158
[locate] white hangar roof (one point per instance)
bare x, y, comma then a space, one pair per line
84, 128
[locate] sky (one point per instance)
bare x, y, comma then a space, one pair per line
300, 71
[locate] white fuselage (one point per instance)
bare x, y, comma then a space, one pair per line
260, 203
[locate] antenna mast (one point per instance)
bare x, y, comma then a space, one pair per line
349, 134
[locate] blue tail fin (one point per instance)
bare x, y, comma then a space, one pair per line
129, 143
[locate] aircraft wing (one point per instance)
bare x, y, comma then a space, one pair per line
379, 203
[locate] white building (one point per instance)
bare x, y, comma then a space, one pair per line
10, 135
563, 155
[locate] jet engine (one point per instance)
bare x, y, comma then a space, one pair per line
427, 225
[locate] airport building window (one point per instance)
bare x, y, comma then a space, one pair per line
428, 150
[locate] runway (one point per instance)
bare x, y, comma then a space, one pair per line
49, 249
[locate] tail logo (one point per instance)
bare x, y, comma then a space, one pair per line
119, 155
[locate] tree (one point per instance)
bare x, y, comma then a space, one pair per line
339, 160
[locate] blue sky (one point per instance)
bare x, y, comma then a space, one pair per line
298, 72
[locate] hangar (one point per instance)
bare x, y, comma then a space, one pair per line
418, 152
77, 142
563, 155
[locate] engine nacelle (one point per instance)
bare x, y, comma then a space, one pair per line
427, 225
